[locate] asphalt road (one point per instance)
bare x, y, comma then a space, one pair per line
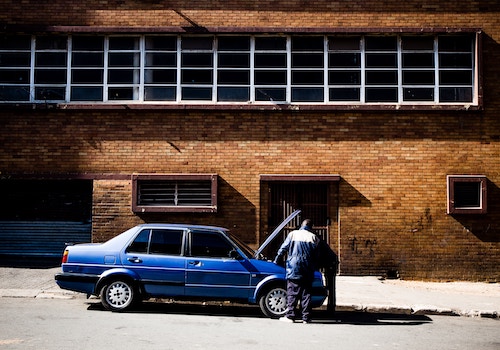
83, 324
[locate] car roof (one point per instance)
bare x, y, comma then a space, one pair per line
183, 226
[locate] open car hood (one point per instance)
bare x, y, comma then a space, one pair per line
276, 231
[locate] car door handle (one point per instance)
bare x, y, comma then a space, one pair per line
195, 263
135, 260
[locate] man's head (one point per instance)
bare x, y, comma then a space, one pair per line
307, 225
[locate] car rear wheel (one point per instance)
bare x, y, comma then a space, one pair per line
118, 295
273, 302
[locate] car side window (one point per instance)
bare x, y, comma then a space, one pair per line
209, 244
140, 243
166, 242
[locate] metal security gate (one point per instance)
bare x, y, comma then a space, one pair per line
39, 217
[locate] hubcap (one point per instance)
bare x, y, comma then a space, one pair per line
276, 301
118, 294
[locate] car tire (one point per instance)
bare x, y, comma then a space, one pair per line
273, 302
118, 295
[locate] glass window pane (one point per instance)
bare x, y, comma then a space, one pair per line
122, 76
197, 43
418, 60
121, 93
161, 59
455, 43
207, 244
88, 43
196, 76
344, 77
161, 43
52, 76
454, 77
87, 76
233, 43
467, 194
194, 93
240, 77
123, 43
418, 94
307, 43
270, 43
455, 60
381, 77
50, 93
307, 94
307, 77
197, 60
379, 60
303, 60
84, 93
15, 42
159, 93
140, 243
418, 43
123, 60
50, 59
418, 77
166, 242
15, 76
344, 94
271, 94
160, 76
459, 94
381, 43
15, 59
345, 59
233, 94
381, 95
14, 93
87, 60
270, 60
51, 42
344, 43
270, 77
234, 60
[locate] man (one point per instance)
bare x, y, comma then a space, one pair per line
302, 248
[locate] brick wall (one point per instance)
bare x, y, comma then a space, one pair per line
393, 164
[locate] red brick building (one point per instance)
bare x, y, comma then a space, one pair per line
378, 119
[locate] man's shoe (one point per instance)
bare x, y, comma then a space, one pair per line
286, 319
306, 321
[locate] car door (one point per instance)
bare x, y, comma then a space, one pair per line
155, 256
213, 268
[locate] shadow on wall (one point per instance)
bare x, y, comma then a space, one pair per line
485, 227
234, 212
351, 197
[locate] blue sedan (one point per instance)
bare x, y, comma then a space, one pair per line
185, 262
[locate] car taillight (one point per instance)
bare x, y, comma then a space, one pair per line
65, 257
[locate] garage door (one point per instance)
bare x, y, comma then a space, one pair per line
39, 217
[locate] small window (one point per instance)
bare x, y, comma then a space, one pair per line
174, 193
168, 242
210, 245
467, 194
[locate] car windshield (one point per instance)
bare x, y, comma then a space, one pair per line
249, 252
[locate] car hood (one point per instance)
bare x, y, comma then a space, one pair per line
276, 231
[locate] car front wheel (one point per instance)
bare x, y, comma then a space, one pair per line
273, 302
118, 295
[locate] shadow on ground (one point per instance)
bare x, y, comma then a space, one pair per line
236, 310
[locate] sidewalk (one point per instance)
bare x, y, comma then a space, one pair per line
363, 294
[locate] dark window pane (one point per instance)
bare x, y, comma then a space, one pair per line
418, 60
307, 43
307, 77
467, 194
349, 59
455, 43
160, 76
52, 76
82, 93
208, 244
233, 43
15, 76
307, 94
344, 94
455, 60
123, 60
378, 60
193, 93
270, 60
50, 59
87, 76
270, 77
121, 93
197, 60
122, 76
88, 43
418, 43
311, 60
233, 77
51, 42
418, 77
453, 77
233, 94
270, 94
381, 43
381, 95
381, 77
166, 242
159, 93
161, 43
344, 77
196, 76
123, 43
455, 94
87, 60
197, 43
140, 243
15, 42
15, 59
418, 94
344, 43
161, 60
50, 93
14, 93
270, 43
234, 60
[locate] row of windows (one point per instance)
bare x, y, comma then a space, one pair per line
312, 69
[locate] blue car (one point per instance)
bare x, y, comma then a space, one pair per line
184, 262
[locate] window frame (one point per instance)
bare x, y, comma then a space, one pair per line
141, 208
481, 180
